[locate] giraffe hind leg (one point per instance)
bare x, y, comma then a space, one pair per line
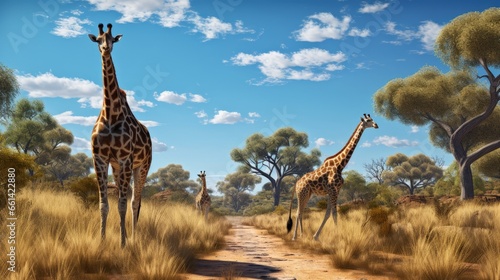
327, 215
123, 175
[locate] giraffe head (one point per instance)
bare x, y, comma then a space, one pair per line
368, 121
202, 175
105, 40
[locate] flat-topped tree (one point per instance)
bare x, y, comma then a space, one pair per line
463, 113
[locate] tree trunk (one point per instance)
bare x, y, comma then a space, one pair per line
277, 193
466, 182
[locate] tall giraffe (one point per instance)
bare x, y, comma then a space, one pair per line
326, 180
118, 139
203, 200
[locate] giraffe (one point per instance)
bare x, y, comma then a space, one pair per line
118, 139
326, 180
203, 200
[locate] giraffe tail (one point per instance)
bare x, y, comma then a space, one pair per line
289, 224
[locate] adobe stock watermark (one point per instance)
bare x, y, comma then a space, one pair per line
30, 25
152, 80
11, 220
223, 6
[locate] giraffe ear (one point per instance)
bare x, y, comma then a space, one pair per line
117, 38
93, 38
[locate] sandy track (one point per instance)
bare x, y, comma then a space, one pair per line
251, 253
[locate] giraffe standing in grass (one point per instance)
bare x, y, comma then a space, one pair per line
326, 180
203, 200
118, 139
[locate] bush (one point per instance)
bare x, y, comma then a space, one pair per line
87, 190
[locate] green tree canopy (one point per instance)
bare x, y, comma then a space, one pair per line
277, 156
355, 188
418, 171
236, 187
175, 179
9, 89
463, 113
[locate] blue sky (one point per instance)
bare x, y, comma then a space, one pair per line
205, 75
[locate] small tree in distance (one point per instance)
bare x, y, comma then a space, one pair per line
418, 171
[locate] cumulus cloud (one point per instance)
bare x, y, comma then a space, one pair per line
225, 117
88, 93
427, 33
306, 64
394, 142
201, 114
158, 146
68, 118
323, 142
169, 14
373, 8
178, 98
323, 26
80, 144
70, 27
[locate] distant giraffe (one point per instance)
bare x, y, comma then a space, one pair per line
118, 139
203, 200
326, 180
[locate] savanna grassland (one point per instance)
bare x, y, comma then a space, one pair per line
57, 237
440, 241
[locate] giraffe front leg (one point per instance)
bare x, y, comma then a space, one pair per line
140, 175
327, 215
101, 168
123, 176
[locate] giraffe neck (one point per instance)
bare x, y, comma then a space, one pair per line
344, 155
113, 99
203, 185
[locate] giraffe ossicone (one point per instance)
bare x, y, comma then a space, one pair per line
203, 200
118, 139
326, 180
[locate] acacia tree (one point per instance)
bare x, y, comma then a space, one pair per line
9, 88
175, 179
463, 114
277, 156
236, 186
418, 171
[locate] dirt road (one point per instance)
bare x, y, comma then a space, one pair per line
251, 253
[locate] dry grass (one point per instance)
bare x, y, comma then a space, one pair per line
420, 243
58, 238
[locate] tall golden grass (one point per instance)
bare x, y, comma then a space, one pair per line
58, 238
413, 243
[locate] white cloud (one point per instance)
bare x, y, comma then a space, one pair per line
393, 142
213, 27
80, 144
355, 32
322, 26
225, 117
276, 66
323, 142
429, 32
167, 13
158, 146
414, 129
88, 93
70, 27
201, 114
48, 85
68, 118
171, 97
178, 99
373, 8
150, 123
196, 98
254, 115
170, 13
